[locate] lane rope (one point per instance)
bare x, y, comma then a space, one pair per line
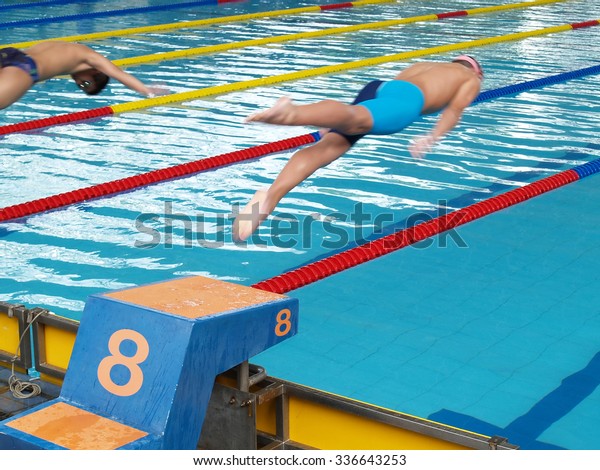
201, 23
326, 267
107, 13
243, 85
162, 56
39, 3
187, 169
197, 51
152, 177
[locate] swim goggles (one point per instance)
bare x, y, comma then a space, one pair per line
84, 85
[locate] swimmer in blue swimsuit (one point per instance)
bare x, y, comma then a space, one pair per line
380, 108
20, 70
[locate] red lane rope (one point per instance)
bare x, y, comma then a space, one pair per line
335, 6
585, 24
341, 261
143, 179
56, 120
452, 14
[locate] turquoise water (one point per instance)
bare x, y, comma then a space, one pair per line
492, 329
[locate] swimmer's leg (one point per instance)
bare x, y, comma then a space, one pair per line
251, 216
302, 164
347, 118
14, 83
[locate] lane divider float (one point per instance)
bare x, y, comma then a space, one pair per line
152, 177
39, 3
197, 51
338, 262
106, 13
201, 23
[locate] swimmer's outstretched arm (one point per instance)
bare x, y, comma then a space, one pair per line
102, 64
449, 118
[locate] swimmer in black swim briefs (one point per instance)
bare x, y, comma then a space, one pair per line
11, 57
21, 69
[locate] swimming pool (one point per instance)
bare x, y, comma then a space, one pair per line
491, 329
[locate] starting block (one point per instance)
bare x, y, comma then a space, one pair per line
145, 361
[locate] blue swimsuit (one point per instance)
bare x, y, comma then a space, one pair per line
11, 57
393, 106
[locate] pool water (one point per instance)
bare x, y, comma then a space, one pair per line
491, 327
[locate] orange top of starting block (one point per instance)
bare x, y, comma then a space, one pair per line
194, 297
76, 429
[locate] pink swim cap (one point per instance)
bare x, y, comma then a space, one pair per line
476, 67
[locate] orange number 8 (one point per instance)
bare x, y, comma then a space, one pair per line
136, 378
284, 325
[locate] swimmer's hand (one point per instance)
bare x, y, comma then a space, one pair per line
154, 91
421, 146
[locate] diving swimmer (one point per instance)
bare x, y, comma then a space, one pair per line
381, 107
21, 69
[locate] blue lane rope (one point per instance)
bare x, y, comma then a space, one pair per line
98, 14
41, 3
588, 168
538, 83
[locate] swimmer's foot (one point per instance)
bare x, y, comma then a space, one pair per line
250, 216
282, 112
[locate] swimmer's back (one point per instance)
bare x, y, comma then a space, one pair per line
441, 83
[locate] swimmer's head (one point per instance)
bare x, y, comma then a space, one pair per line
90, 81
470, 62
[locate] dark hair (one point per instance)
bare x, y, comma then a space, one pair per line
100, 82
90, 81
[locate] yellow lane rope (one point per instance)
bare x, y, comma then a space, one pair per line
243, 85
312, 34
189, 24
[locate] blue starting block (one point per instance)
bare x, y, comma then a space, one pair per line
145, 361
